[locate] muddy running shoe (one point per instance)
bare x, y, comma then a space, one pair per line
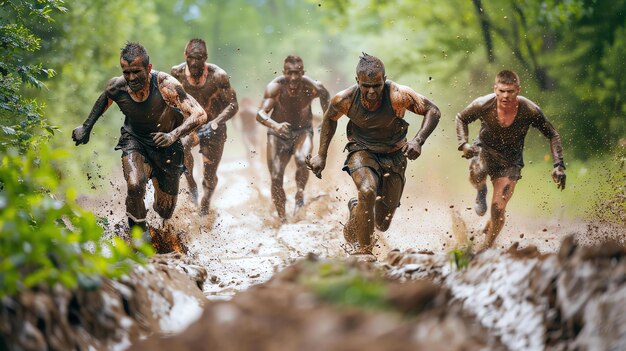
481, 201
348, 234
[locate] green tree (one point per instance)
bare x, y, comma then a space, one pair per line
46, 238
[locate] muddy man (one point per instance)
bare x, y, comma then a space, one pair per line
210, 85
377, 145
505, 118
157, 113
290, 128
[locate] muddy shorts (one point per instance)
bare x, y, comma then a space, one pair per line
495, 165
287, 144
381, 164
212, 140
167, 163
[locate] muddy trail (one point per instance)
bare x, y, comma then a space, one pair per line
246, 281
243, 243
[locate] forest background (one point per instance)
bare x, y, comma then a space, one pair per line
570, 55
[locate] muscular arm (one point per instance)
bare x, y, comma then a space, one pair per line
81, 134
269, 101
422, 106
227, 96
329, 127
174, 94
404, 98
339, 106
324, 96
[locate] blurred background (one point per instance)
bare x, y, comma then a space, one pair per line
570, 56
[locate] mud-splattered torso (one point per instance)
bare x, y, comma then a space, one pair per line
506, 141
206, 94
149, 116
295, 109
380, 130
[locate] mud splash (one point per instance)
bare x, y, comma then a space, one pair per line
571, 300
289, 313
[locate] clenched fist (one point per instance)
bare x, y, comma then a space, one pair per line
81, 135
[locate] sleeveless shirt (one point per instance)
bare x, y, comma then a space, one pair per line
380, 131
149, 116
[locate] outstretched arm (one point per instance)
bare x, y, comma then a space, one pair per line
420, 105
228, 97
80, 135
194, 115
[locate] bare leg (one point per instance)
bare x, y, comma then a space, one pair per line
302, 147
164, 203
277, 159
361, 222
166, 239
389, 200
503, 188
478, 178
212, 152
136, 171
189, 142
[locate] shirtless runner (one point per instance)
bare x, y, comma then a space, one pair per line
377, 146
210, 86
505, 118
290, 129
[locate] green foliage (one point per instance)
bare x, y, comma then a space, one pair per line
20, 117
46, 239
340, 283
461, 256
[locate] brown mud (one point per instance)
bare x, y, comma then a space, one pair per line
537, 295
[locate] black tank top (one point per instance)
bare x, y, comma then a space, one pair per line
379, 131
149, 116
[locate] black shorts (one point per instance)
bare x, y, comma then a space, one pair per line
167, 162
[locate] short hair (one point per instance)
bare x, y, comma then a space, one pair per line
133, 50
369, 65
294, 59
507, 77
194, 42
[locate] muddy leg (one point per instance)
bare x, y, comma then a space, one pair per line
303, 147
503, 188
167, 239
277, 159
211, 150
189, 142
388, 200
478, 178
361, 223
136, 171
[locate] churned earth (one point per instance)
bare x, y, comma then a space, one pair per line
294, 286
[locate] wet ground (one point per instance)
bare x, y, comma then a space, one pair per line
527, 299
